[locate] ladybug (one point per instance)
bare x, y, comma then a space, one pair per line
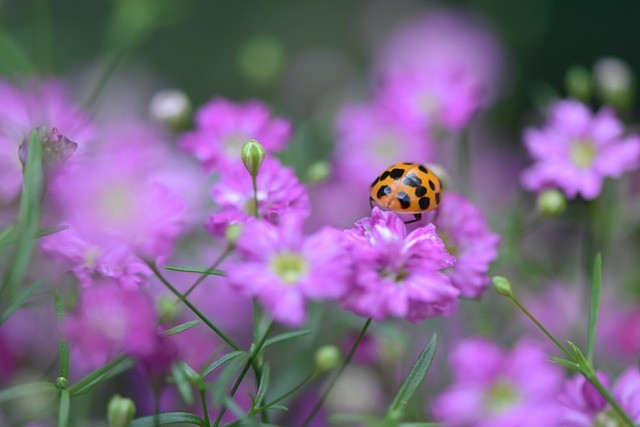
407, 188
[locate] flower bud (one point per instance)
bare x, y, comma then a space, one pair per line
502, 286
252, 156
61, 383
614, 82
327, 357
551, 203
171, 107
578, 82
56, 148
168, 308
120, 411
232, 233
318, 172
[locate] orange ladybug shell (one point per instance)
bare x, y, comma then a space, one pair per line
407, 188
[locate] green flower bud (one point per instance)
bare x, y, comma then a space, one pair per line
327, 357
168, 308
615, 83
252, 156
318, 172
62, 382
232, 233
120, 411
171, 107
578, 82
551, 203
502, 286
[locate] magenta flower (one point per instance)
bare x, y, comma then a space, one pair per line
396, 274
279, 192
464, 229
368, 141
119, 209
430, 98
577, 150
584, 406
111, 319
222, 128
493, 388
283, 269
44, 104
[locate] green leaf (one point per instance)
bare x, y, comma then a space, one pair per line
285, 337
167, 418
212, 367
411, 384
264, 384
6, 235
566, 363
63, 345
233, 407
103, 373
10, 240
29, 212
26, 390
18, 302
196, 270
594, 306
63, 413
182, 383
180, 328
226, 375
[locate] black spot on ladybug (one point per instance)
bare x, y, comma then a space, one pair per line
423, 169
412, 180
383, 191
421, 191
432, 185
384, 175
375, 182
396, 173
407, 163
404, 199
438, 198
424, 203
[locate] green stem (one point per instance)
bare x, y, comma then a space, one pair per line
112, 65
245, 369
294, 390
95, 374
214, 266
254, 182
333, 381
193, 308
540, 326
205, 410
593, 379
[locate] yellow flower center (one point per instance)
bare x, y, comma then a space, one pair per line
501, 397
289, 266
583, 153
608, 418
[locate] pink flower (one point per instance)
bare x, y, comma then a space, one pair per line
111, 319
466, 234
577, 150
283, 269
494, 388
222, 128
279, 192
396, 274
44, 104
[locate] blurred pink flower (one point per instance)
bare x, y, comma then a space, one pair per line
223, 126
577, 150
279, 192
111, 319
396, 274
283, 268
21, 110
466, 235
494, 388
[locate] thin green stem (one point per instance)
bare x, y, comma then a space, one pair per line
113, 62
95, 374
540, 326
254, 182
205, 410
243, 373
333, 381
214, 266
294, 390
593, 379
193, 308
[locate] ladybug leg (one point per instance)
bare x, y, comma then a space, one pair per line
416, 217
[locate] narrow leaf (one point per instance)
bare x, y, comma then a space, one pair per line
285, 337
18, 302
566, 363
594, 306
168, 418
182, 384
63, 413
212, 367
196, 270
6, 235
98, 373
10, 240
121, 367
63, 345
410, 386
226, 375
264, 384
26, 390
180, 328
